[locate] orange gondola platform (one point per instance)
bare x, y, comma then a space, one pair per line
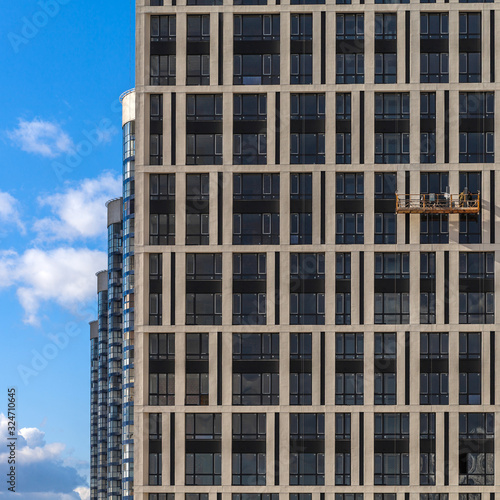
463, 203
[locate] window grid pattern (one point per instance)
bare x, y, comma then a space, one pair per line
433, 230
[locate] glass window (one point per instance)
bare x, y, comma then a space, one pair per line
252, 226
427, 288
349, 346
198, 63
161, 346
249, 426
163, 28
391, 468
300, 346
249, 308
349, 385
350, 67
385, 368
197, 373
385, 27
255, 346
434, 227
198, 28
197, 218
307, 305
476, 137
307, 106
350, 27
197, 389
385, 186
255, 496
470, 61
476, 461
256, 27
301, 54
257, 384
307, 468
301, 27
155, 289
391, 147
433, 62
390, 106
300, 369
249, 469
156, 132
204, 266
204, 149
203, 308
197, 346
249, 107
385, 62
254, 68
343, 447
392, 265
203, 468
427, 105
428, 449
201, 426
307, 266
161, 380
250, 139
307, 147
256, 187
155, 468
249, 266
204, 107
470, 370
470, 224
476, 265
301, 209
349, 186
342, 285
161, 389
476, 306
434, 25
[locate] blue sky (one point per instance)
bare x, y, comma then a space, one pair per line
64, 65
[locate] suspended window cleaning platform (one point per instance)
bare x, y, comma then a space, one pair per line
463, 203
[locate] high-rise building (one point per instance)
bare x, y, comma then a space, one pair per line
112, 340
106, 478
94, 408
128, 125
315, 251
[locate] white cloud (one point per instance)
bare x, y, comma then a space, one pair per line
8, 259
9, 210
41, 137
80, 211
62, 275
33, 436
40, 467
83, 492
28, 455
106, 135
31, 495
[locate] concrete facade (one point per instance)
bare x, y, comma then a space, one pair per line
405, 362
